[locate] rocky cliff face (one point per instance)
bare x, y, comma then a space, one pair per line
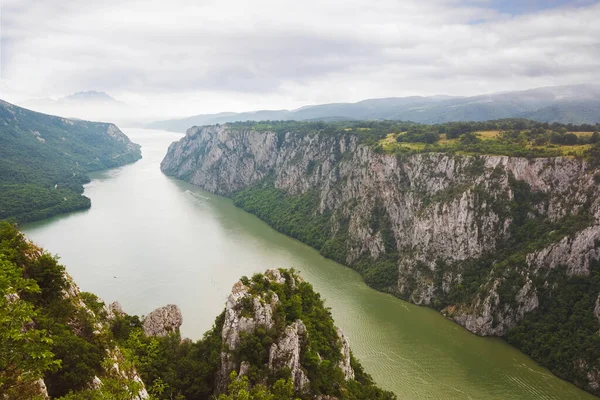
479, 236
249, 310
163, 321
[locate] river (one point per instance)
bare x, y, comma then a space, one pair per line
149, 240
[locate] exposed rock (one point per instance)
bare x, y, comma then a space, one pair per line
574, 253
96, 383
115, 308
244, 368
162, 321
246, 311
235, 322
442, 211
345, 365
434, 203
238, 320
286, 353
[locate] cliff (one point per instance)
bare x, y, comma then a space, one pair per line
496, 243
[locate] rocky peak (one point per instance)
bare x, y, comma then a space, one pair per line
162, 321
254, 308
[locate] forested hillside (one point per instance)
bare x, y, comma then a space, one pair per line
44, 161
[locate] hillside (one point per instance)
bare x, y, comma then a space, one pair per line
499, 230
44, 161
275, 340
566, 104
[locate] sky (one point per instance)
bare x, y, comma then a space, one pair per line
185, 57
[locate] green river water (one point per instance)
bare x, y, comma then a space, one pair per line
149, 240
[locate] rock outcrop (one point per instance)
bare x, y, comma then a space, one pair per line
440, 216
286, 354
248, 310
163, 321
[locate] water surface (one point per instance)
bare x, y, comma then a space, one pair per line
149, 240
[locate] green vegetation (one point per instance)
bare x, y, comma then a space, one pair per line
511, 137
185, 370
563, 331
298, 217
44, 161
45, 332
550, 334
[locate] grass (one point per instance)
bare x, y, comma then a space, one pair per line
487, 135
391, 146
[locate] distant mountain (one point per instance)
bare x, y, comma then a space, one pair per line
44, 160
89, 96
567, 104
575, 112
88, 105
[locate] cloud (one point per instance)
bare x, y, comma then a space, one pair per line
183, 57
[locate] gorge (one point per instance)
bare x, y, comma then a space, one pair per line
150, 240
505, 246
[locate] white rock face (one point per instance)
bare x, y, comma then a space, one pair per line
573, 253
286, 353
238, 319
245, 312
162, 321
345, 365
443, 209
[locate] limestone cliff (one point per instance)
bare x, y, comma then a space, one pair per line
163, 321
488, 239
276, 326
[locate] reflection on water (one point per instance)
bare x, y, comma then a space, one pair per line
149, 240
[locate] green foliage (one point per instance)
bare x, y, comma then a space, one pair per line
519, 137
80, 361
173, 368
58, 340
45, 334
24, 354
239, 389
44, 162
563, 331
297, 216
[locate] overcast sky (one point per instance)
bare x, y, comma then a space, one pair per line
183, 57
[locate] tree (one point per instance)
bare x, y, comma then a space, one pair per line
24, 350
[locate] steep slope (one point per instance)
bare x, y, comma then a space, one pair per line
505, 246
44, 160
54, 339
571, 104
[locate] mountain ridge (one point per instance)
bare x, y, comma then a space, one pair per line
430, 109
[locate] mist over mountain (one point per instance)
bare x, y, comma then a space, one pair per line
565, 104
88, 105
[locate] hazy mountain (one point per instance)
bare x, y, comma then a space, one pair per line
567, 104
87, 105
90, 96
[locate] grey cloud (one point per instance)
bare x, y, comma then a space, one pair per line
307, 51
